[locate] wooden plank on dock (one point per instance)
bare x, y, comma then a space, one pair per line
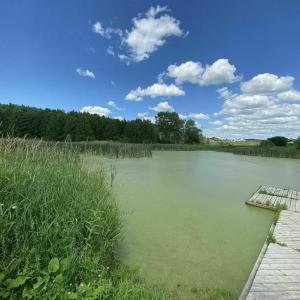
276, 273
287, 230
275, 278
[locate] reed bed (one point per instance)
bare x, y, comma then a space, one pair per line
114, 149
177, 147
126, 150
279, 152
59, 228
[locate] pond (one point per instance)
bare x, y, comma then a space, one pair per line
187, 224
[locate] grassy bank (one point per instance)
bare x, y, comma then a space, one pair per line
59, 228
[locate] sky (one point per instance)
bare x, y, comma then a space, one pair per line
232, 66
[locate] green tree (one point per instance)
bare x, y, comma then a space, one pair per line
192, 134
280, 141
297, 143
170, 127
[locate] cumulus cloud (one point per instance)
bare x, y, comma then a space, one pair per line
97, 110
145, 116
221, 71
267, 83
246, 101
189, 71
155, 90
199, 116
291, 95
162, 107
114, 105
85, 73
260, 109
148, 33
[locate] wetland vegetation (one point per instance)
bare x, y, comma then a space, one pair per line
59, 228
62, 224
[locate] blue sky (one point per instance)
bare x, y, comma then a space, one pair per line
232, 66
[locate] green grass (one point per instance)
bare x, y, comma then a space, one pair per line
278, 209
59, 228
212, 294
271, 238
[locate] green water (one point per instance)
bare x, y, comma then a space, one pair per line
186, 222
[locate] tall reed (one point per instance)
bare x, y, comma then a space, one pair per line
59, 227
114, 149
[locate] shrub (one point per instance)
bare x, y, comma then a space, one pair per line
266, 144
280, 141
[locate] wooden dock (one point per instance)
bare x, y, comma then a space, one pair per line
269, 197
276, 273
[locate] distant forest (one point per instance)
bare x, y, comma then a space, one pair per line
57, 125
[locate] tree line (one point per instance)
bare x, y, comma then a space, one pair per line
57, 125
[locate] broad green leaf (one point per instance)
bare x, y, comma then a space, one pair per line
15, 283
53, 265
27, 293
38, 283
59, 278
1, 277
72, 295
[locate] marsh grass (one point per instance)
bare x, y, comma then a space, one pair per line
113, 149
280, 152
59, 228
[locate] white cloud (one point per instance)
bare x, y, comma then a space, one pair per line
114, 105
155, 90
153, 11
149, 32
162, 107
119, 118
199, 116
267, 83
106, 32
189, 71
291, 95
259, 115
145, 116
112, 83
182, 117
97, 110
142, 115
221, 71
110, 51
218, 122
85, 73
225, 93
247, 101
